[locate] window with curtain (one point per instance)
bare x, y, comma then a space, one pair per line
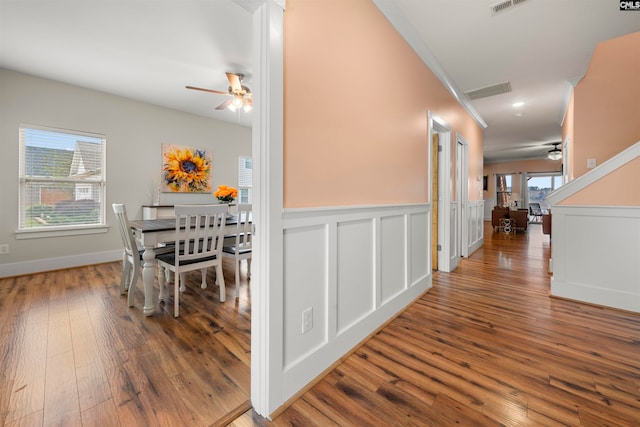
62, 180
503, 189
245, 179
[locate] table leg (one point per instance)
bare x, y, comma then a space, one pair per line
148, 276
163, 280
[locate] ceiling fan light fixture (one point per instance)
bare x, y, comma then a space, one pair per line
237, 101
555, 153
241, 96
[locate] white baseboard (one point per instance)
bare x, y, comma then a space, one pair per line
58, 263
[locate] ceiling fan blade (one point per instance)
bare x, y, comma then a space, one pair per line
234, 82
224, 105
207, 90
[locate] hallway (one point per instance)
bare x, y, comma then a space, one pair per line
485, 346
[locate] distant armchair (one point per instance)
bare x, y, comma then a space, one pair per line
521, 216
546, 224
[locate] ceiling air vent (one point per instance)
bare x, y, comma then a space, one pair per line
492, 90
505, 5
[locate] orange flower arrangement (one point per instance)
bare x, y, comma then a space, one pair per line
226, 194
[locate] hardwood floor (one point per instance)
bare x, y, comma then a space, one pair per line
486, 346
73, 354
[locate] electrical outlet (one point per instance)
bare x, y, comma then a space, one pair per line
4, 249
591, 163
307, 320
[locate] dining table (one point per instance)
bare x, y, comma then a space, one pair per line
151, 233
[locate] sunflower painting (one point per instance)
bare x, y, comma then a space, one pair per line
185, 169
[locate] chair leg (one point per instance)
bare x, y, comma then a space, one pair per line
182, 281
238, 278
203, 272
248, 267
220, 280
126, 270
135, 274
176, 297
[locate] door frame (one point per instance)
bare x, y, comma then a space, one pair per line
462, 185
437, 125
268, 204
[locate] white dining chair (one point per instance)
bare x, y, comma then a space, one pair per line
198, 246
132, 254
241, 248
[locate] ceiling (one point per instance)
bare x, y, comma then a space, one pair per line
151, 50
143, 50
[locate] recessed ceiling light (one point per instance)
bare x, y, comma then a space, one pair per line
518, 104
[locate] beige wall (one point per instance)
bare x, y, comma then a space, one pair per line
356, 101
605, 117
135, 132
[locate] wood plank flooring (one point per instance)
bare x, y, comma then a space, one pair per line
73, 354
486, 346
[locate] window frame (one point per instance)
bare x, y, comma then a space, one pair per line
242, 178
25, 181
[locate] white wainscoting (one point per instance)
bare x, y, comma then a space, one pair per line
454, 244
475, 221
355, 268
488, 207
596, 255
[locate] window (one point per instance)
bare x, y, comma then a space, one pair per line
540, 185
503, 189
62, 181
245, 179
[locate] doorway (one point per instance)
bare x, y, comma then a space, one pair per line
434, 201
442, 214
462, 195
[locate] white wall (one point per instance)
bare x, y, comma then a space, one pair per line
135, 132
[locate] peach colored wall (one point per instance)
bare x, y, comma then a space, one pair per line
356, 99
619, 188
606, 113
567, 132
517, 167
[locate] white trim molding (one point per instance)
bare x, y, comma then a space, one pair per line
594, 175
475, 225
596, 254
353, 268
58, 263
267, 152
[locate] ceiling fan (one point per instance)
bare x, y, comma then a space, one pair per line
241, 96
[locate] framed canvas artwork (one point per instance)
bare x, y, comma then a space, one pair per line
185, 169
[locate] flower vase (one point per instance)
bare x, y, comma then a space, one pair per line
228, 203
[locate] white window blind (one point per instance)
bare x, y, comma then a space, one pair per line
62, 179
245, 179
